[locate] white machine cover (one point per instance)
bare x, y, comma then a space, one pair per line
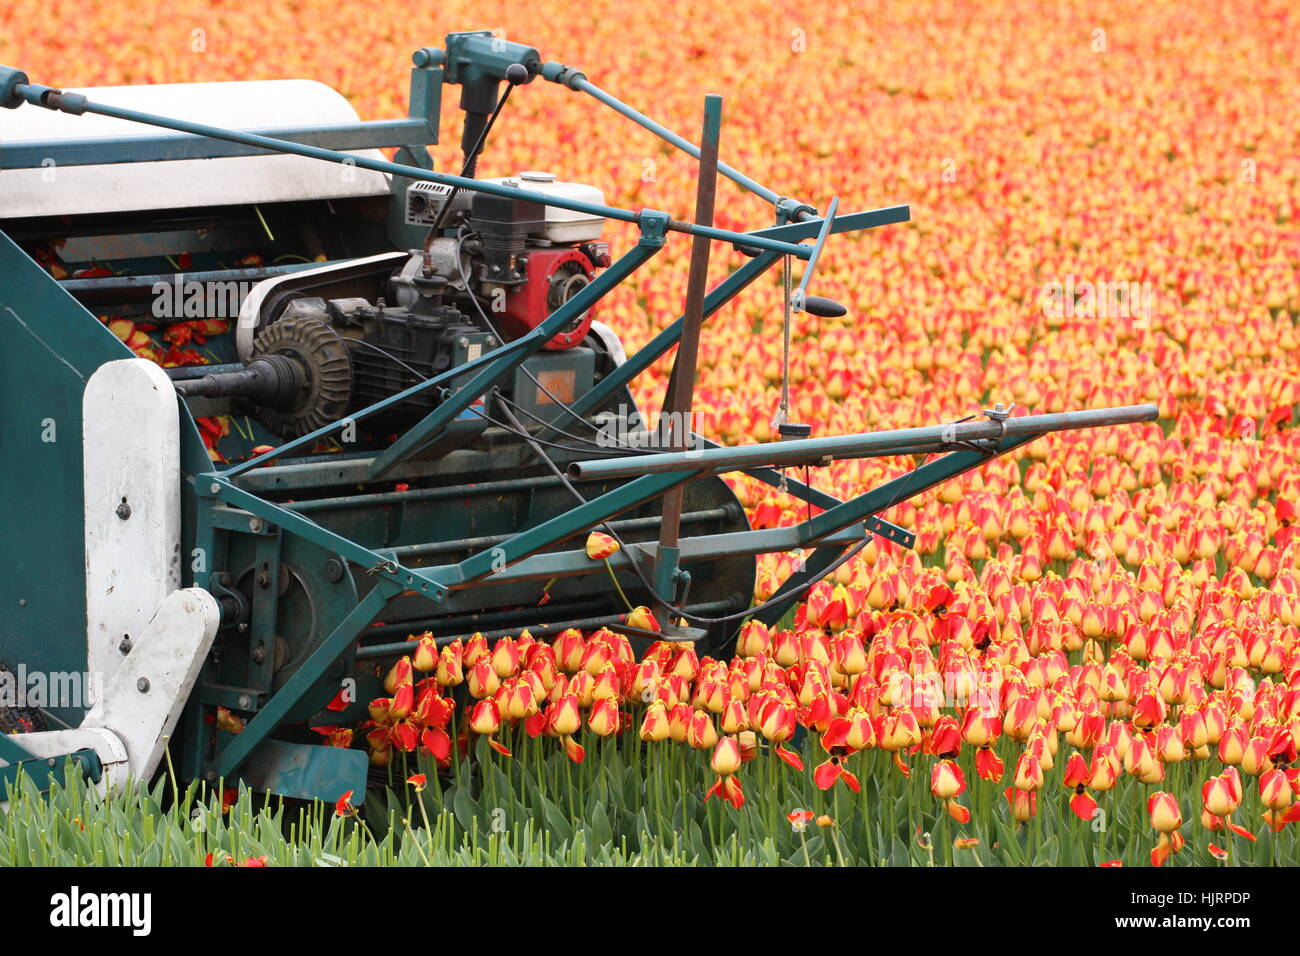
262, 104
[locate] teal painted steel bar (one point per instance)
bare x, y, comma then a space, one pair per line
11, 752
42, 773
862, 445
313, 669
663, 132
154, 149
813, 568
217, 486
906, 486
312, 437
704, 547
428, 428
852, 222
562, 526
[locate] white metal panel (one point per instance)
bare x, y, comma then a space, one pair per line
131, 448
250, 309
187, 182
130, 725
145, 696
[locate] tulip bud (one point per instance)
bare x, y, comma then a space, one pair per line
606, 684
700, 733
569, 649
450, 671
1106, 767
520, 701
603, 719
425, 657
640, 617
485, 717
776, 721
734, 718
1255, 759
1232, 745
399, 674
1165, 814
754, 639
564, 716
1219, 797
1023, 803
946, 780
505, 658
1275, 790
1029, 772
476, 648
726, 756
483, 680
600, 546
654, 727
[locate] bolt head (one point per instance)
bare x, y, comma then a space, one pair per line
142, 685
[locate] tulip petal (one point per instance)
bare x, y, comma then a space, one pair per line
499, 747
1241, 831
851, 780
826, 774
957, 811
1161, 851
436, 744
789, 756
989, 765
1084, 806
732, 793
535, 724
574, 750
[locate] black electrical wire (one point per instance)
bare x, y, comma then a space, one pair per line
471, 158
594, 446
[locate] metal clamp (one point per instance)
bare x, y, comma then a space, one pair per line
1000, 413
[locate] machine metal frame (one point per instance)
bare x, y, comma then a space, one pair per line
478, 61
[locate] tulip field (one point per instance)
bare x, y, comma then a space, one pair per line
1092, 655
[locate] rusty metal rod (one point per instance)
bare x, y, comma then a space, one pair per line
681, 390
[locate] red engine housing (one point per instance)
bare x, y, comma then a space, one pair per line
553, 276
